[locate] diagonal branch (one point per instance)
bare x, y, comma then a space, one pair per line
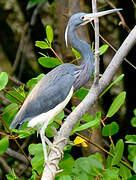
90, 99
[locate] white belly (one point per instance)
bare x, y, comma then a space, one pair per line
40, 119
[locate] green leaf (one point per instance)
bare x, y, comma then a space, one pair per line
111, 174
118, 152
134, 164
132, 178
4, 143
65, 177
131, 152
87, 117
38, 160
130, 139
134, 112
42, 44
133, 121
9, 113
114, 82
81, 93
125, 172
15, 97
49, 33
32, 82
66, 164
11, 177
76, 53
34, 176
24, 133
110, 129
86, 125
49, 62
3, 80
117, 103
103, 49
32, 3
109, 159
91, 165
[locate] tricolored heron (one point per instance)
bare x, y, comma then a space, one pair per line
55, 89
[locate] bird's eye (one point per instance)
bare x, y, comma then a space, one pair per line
82, 17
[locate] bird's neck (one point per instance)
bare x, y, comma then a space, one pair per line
82, 47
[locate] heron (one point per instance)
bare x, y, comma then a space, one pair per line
55, 89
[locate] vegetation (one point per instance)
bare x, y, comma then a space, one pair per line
117, 159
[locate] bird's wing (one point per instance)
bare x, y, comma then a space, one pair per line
42, 100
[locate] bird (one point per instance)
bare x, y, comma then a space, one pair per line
55, 89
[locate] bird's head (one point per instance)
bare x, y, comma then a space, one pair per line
83, 18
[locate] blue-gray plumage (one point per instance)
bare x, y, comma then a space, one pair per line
54, 90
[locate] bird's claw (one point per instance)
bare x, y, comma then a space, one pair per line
53, 172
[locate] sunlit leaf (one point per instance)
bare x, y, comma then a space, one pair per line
49, 33
103, 49
3, 80
4, 143
65, 177
86, 125
119, 148
49, 62
81, 93
15, 97
111, 84
76, 53
117, 103
42, 44
133, 121
110, 129
32, 82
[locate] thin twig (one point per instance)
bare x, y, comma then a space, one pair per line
97, 52
123, 23
5, 165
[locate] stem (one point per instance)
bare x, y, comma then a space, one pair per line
56, 54
97, 52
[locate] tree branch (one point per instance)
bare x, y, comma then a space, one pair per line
97, 52
90, 99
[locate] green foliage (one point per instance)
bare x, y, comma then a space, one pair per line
32, 82
76, 53
81, 93
110, 129
4, 143
11, 177
134, 164
15, 97
114, 82
3, 80
103, 49
49, 62
117, 103
125, 172
118, 153
87, 125
131, 139
49, 33
32, 3
111, 174
38, 160
9, 113
42, 44
133, 120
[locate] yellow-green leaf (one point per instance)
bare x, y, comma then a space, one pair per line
4, 143
117, 103
49, 33
3, 80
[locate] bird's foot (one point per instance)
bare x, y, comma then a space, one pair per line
57, 149
49, 163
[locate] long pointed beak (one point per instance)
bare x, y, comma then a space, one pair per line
91, 16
